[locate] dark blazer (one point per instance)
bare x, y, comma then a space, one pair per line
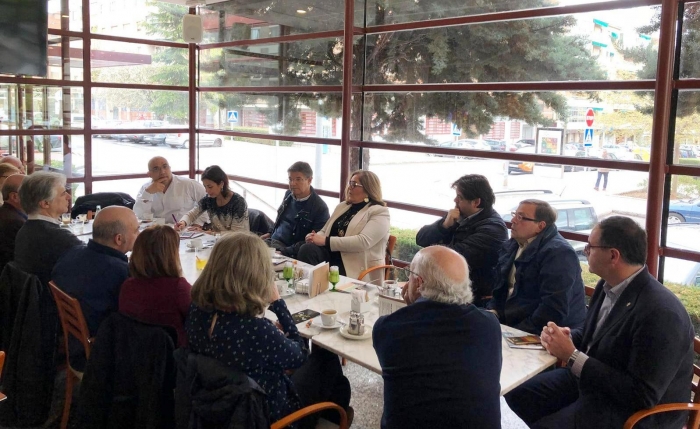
312, 218
641, 356
40, 244
548, 284
441, 365
11, 220
478, 239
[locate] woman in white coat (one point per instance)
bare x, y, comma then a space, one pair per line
355, 236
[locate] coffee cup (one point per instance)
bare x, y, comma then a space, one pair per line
147, 217
328, 317
195, 243
273, 252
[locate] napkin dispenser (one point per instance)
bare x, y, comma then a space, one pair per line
359, 301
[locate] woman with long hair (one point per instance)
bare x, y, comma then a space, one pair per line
355, 236
227, 323
227, 210
156, 292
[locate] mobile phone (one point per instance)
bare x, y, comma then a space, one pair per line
304, 315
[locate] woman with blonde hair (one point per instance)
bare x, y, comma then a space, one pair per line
156, 292
355, 236
227, 323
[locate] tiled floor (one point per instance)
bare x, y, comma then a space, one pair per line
367, 389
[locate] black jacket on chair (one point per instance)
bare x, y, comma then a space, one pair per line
29, 324
90, 202
129, 378
210, 395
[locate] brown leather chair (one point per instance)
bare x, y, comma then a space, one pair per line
73, 324
388, 260
311, 409
2, 363
694, 407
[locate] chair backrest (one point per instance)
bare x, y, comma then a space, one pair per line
390, 249
88, 203
2, 363
72, 319
259, 222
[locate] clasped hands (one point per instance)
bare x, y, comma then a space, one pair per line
315, 238
557, 341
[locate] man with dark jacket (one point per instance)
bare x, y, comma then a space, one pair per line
473, 229
634, 351
12, 217
41, 242
538, 276
301, 212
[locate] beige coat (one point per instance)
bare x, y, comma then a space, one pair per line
364, 244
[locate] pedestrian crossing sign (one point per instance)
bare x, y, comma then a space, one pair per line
233, 116
588, 136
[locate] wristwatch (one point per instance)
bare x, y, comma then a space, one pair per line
572, 358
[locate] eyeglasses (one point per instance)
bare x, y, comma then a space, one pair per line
353, 185
517, 216
588, 247
297, 180
409, 272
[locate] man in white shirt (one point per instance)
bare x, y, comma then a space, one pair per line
167, 196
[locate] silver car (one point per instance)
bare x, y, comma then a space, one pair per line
182, 140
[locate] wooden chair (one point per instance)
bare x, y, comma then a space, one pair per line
693, 407
2, 363
311, 409
73, 324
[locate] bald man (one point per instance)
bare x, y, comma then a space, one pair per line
94, 274
13, 160
12, 217
440, 355
167, 196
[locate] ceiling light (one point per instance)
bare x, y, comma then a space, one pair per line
301, 11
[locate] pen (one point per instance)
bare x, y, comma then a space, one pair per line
174, 218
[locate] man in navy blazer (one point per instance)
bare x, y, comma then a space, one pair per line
634, 351
440, 355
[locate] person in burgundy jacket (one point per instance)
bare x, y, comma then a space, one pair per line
156, 292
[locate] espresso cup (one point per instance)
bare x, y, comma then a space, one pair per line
196, 243
273, 251
148, 217
328, 317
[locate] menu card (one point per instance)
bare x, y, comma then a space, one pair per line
318, 280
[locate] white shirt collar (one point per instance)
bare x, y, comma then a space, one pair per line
44, 218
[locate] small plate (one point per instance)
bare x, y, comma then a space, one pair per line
289, 292
367, 335
319, 324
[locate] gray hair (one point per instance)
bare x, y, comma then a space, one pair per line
103, 231
543, 211
38, 187
439, 287
301, 167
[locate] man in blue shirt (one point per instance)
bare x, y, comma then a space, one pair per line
440, 355
302, 211
94, 274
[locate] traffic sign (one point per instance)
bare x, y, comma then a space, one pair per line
233, 116
456, 131
590, 115
588, 137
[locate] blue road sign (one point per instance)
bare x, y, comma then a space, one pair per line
456, 131
233, 116
588, 137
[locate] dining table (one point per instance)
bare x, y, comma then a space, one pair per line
519, 365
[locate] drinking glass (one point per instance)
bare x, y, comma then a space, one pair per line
288, 272
65, 218
334, 277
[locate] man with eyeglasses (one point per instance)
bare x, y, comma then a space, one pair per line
41, 241
634, 351
473, 229
168, 196
301, 212
12, 217
538, 277
440, 355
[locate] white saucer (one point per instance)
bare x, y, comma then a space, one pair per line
319, 324
288, 293
367, 335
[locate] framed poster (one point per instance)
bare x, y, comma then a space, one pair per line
549, 141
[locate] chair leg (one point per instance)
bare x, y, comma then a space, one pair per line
343, 361
70, 379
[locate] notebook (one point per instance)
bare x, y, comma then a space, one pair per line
516, 341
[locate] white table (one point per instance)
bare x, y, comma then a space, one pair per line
519, 365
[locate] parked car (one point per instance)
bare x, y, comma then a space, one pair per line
499, 145
471, 144
138, 137
182, 140
522, 143
154, 139
522, 166
687, 237
687, 210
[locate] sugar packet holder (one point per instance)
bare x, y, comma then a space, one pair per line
359, 301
